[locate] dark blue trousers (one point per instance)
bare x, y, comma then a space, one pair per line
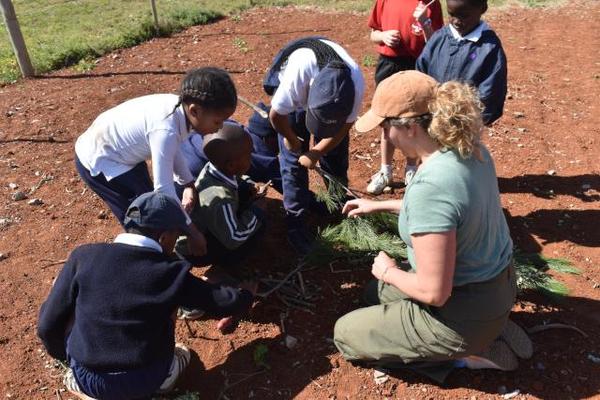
296, 195
119, 192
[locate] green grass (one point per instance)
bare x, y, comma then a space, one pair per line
61, 33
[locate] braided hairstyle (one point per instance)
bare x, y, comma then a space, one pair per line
209, 87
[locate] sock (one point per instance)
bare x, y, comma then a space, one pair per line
386, 169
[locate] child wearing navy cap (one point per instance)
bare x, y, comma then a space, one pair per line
110, 313
317, 90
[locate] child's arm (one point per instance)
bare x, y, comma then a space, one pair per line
492, 91
311, 157
57, 312
230, 229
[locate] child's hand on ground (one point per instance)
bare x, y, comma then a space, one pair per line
228, 325
390, 38
358, 207
197, 244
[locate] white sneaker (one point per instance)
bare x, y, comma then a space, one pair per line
379, 181
181, 359
73, 387
409, 173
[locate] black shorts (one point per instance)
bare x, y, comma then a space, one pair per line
388, 66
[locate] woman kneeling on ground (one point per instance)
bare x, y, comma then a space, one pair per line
449, 307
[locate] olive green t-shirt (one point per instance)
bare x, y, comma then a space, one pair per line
449, 192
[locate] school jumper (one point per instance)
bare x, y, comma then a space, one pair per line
111, 154
477, 59
398, 15
120, 298
229, 223
289, 85
447, 193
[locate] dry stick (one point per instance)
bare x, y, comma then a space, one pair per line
49, 139
540, 328
253, 106
52, 262
190, 330
283, 281
45, 178
301, 283
228, 386
58, 395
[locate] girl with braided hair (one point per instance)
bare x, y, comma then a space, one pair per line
111, 155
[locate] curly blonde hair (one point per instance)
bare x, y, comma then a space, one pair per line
456, 121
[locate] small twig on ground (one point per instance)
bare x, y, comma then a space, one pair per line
51, 262
228, 385
49, 139
283, 281
301, 283
337, 271
190, 330
45, 178
541, 328
58, 395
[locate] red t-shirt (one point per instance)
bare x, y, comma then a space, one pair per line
398, 14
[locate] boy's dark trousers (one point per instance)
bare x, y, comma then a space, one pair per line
296, 195
119, 192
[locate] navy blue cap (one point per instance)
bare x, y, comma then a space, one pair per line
330, 100
260, 126
157, 211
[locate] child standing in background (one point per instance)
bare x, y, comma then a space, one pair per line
111, 155
400, 30
469, 51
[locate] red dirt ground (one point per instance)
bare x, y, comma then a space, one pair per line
550, 124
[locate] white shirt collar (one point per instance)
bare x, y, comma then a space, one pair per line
181, 121
133, 239
472, 36
219, 175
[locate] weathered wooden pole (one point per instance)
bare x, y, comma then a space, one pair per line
16, 38
155, 15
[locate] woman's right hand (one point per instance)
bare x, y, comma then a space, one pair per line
358, 207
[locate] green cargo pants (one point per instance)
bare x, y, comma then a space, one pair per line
396, 330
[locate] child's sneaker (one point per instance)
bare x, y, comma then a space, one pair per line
517, 339
72, 386
409, 173
189, 314
181, 359
379, 181
497, 356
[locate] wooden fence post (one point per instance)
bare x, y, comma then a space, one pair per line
155, 15
16, 38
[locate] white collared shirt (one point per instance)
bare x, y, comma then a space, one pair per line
214, 171
140, 129
134, 239
298, 75
472, 36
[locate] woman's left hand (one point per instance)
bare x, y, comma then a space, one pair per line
381, 264
189, 199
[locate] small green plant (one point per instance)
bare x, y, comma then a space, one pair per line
85, 65
260, 356
241, 44
236, 18
333, 196
369, 61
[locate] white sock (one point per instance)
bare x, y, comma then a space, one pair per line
386, 169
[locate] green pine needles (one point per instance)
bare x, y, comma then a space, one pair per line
354, 242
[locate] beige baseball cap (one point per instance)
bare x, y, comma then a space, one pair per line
404, 94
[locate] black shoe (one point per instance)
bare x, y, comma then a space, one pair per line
300, 240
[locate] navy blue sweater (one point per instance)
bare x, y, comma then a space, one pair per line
481, 64
121, 301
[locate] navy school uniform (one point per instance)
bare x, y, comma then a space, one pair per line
480, 62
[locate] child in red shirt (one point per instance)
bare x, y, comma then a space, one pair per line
400, 30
